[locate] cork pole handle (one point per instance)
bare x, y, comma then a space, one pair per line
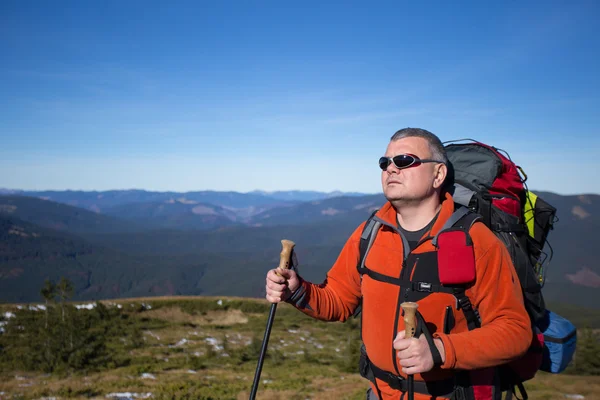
410, 320
410, 327
286, 253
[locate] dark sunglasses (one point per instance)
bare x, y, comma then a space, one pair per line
402, 161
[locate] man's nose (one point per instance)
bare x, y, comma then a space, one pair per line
391, 168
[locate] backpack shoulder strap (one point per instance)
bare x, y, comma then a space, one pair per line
467, 221
366, 239
471, 315
463, 219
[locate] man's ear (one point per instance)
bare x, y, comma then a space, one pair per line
441, 172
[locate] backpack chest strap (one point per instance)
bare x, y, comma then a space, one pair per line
404, 283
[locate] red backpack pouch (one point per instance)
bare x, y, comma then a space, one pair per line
456, 258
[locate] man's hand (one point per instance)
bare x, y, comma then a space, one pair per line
415, 355
281, 283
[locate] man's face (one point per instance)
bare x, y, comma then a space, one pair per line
414, 183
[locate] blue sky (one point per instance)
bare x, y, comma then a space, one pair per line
245, 95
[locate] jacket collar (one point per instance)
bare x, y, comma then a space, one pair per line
388, 215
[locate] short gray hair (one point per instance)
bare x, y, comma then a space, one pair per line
436, 147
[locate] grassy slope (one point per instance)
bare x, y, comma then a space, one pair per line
308, 358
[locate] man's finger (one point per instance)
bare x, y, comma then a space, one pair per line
400, 335
278, 287
285, 273
409, 362
401, 344
274, 277
413, 370
273, 299
404, 354
407, 348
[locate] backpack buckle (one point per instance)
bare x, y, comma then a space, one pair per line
423, 287
465, 303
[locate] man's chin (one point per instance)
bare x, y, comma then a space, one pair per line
399, 199
391, 197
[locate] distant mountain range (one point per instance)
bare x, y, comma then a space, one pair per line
100, 201
137, 243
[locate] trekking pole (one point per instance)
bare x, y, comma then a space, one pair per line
284, 262
410, 323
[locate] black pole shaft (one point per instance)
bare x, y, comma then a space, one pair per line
411, 387
263, 351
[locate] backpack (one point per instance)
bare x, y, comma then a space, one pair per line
487, 186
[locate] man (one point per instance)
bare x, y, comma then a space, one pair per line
414, 171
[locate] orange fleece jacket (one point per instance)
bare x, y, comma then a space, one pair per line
505, 332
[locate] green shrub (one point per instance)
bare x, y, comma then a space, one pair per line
64, 339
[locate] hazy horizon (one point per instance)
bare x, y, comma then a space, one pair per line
3, 190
